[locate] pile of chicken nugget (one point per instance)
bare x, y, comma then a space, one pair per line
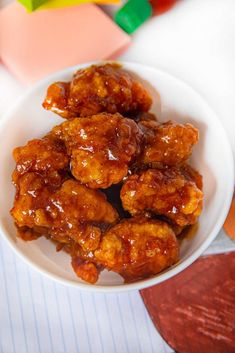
111, 185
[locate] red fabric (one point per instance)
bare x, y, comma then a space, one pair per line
161, 6
195, 310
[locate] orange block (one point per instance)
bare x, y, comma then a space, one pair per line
36, 44
229, 224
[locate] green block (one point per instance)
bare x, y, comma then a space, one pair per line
32, 5
133, 14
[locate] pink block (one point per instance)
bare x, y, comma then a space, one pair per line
37, 44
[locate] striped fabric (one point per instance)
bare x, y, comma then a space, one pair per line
38, 315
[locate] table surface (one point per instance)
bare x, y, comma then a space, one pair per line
194, 41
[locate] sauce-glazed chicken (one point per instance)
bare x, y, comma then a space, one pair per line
112, 185
101, 148
167, 192
96, 89
167, 144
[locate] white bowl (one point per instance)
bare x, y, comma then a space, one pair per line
212, 157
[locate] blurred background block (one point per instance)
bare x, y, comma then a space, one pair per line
31, 5
50, 4
36, 44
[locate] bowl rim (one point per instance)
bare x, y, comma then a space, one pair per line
178, 267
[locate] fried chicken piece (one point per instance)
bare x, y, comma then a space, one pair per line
137, 248
96, 89
57, 100
45, 156
69, 212
166, 192
168, 143
41, 167
31, 200
80, 214
87, 271
101, 148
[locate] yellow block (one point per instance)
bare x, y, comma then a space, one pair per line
50, 4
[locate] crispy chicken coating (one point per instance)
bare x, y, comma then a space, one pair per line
41, 167
168, 192
31, 200
168, 143
101, 148
71, 212
98, 88
87, 271
79, 213
137, 248
192, 174
45, 156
